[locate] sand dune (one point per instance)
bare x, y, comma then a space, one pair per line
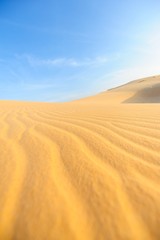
84, 170
146, 90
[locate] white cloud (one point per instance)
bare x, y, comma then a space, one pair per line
63, 62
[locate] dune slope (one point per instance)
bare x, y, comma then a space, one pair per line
84, 170
146, 90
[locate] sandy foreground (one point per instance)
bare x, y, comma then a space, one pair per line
84, 170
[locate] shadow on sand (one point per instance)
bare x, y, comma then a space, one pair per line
146, 95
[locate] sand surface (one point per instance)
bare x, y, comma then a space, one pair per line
84, 170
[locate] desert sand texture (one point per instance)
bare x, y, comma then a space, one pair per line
83, 170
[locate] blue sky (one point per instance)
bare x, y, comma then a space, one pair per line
58, 50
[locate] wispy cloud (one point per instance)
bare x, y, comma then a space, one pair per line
38, 86
63, 62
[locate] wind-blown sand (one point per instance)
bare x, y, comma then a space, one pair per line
84, 170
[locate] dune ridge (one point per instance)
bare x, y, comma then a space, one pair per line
88, 169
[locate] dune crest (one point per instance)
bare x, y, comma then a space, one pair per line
84, 170
146, 90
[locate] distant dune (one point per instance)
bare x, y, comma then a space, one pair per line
84, 170
145, 90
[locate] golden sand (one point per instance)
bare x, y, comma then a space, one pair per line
84, 170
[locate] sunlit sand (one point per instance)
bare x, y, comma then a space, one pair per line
83, 170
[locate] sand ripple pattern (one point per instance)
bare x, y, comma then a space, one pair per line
78, 171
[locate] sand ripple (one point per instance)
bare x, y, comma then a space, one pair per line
79, 171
